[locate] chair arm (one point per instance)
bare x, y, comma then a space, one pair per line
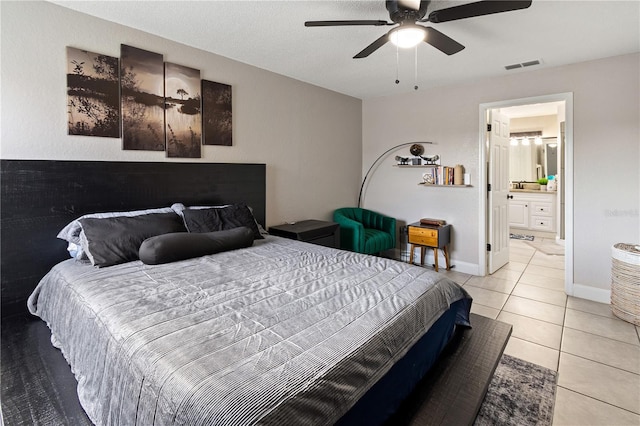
351, 233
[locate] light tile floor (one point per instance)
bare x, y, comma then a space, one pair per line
596, 355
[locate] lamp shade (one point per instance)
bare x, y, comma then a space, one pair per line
408, 35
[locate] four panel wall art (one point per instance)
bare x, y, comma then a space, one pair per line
151, 104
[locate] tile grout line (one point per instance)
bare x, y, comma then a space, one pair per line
560, 351
596, 399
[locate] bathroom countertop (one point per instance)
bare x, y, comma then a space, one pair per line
533, 191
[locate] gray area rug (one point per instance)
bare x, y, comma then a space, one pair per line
521, 237
547, 247
520, 393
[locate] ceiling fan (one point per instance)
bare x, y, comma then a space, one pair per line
405, 15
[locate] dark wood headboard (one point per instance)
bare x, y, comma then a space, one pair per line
39, 197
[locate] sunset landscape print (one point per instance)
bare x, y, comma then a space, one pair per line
142, 97
183, 115
92, 94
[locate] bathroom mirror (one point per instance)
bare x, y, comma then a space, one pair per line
533, 161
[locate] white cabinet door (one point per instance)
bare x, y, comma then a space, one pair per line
518, 214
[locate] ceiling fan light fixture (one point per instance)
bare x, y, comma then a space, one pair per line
406, 36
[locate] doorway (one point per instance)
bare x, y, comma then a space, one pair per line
486, 219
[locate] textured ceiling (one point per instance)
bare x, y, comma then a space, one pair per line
271, 35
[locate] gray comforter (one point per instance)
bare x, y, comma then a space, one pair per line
282, 332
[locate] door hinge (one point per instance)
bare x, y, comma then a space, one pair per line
488, 127
488, 187
488, 247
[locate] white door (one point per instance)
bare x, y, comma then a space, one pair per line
498, 203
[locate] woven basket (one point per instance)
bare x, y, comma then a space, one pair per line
625, 282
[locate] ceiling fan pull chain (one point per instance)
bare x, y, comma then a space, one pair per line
415, 87
397, 64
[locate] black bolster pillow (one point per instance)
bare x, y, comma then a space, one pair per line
176, 246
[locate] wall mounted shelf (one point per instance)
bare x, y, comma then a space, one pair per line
447, 186
411, 166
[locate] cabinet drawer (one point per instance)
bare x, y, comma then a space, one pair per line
424, 241
423, 236
541, 223
542, 209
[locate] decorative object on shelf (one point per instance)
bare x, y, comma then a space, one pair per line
431, 160
458, 174
427, 178
402, 161
543, 183
416, 149
375, 163
92, 94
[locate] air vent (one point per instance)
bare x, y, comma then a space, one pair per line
522, 65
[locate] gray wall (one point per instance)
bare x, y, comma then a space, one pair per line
300, 131
606, 167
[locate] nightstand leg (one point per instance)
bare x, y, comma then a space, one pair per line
411, 255
422, 253
435, 256
446, 257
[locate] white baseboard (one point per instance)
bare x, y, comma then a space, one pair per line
464, 267
594, 294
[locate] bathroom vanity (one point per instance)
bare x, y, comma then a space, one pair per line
532, 209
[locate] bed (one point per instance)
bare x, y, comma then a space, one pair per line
277, 332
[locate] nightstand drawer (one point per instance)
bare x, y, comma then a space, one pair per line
423, 236
423, 241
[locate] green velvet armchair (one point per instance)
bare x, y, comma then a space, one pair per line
365, 231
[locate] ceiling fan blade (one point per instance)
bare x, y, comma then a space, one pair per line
442, 42
373, 47
479, 8
342, 23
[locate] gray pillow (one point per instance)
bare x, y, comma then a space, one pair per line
71, 232
221, 218
113, 240
179, 246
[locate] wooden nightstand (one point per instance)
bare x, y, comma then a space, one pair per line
434, 237
311, 231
